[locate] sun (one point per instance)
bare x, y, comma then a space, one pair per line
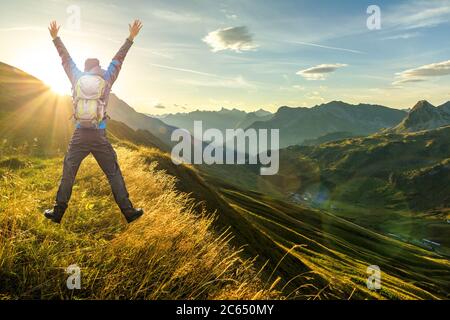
59, 87
46, 69
56, 79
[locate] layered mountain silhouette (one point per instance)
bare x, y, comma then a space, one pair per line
222, 119
425, 116
299, 124
119, 110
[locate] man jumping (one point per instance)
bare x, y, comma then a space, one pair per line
90, 92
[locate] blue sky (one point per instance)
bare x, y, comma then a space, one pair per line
247, 54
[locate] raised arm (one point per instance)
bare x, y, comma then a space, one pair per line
116, 64
69, 66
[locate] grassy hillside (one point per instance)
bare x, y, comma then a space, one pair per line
179, 251
393, 184
386, 170
394, 170
317, 251
334, 136
170, 253
330, 255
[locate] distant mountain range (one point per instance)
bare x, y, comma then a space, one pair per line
299, 124
322, 123
222, 119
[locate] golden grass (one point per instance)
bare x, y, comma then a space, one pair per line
171, 252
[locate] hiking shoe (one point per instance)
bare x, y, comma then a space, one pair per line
133, 214
55, 214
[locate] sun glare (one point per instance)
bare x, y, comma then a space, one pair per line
43, 67
58, 87
56, 79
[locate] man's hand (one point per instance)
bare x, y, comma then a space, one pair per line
54, 28
134, 29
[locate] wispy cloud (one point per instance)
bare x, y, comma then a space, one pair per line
229, 14
231, 83
315, 96
97, 35
402, 36
233, 38
293, 88
421, 73
399, 82
173, 16
183, 70
159, 106
327, 47
320, 72
23, 28
153, 52
418, 14
217, 81
184, 107
232, 16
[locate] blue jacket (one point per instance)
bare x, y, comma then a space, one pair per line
110, 75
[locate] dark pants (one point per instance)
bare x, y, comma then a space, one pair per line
85, 141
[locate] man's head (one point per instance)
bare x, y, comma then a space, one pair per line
90, 64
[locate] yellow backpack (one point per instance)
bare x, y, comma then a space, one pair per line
89, 108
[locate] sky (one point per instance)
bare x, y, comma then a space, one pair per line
245, 54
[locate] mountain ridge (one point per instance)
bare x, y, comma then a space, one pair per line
299, 124
222, 119
424, 116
